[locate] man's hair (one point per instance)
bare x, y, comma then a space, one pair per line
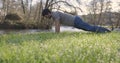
45, 12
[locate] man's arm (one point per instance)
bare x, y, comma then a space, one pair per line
57, 26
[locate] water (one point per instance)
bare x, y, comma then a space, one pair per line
62, 29
29, 31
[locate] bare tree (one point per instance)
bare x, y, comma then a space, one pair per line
100, 12
40, 12
92, 9
98, 9
108, 10
23, 7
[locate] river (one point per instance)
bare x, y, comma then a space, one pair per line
62, 29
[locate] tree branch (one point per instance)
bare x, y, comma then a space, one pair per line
67, 4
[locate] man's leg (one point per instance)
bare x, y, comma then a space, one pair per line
100, 29
80, 24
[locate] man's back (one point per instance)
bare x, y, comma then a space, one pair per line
64, 18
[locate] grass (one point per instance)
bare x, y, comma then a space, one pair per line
66, 47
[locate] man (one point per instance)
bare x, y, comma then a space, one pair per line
71, 20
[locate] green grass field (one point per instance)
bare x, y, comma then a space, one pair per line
65, 47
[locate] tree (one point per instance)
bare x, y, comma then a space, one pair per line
97, 9
92, 9
118, 18
23, 7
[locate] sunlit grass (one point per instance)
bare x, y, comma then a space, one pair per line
65, 47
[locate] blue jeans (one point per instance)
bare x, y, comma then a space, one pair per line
80, 24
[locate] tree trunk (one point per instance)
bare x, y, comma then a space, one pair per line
23, 7
118, 21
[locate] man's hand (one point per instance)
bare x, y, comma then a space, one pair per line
57, 26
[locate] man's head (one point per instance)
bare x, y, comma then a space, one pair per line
46, 13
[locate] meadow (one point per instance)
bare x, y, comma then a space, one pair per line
65, 47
